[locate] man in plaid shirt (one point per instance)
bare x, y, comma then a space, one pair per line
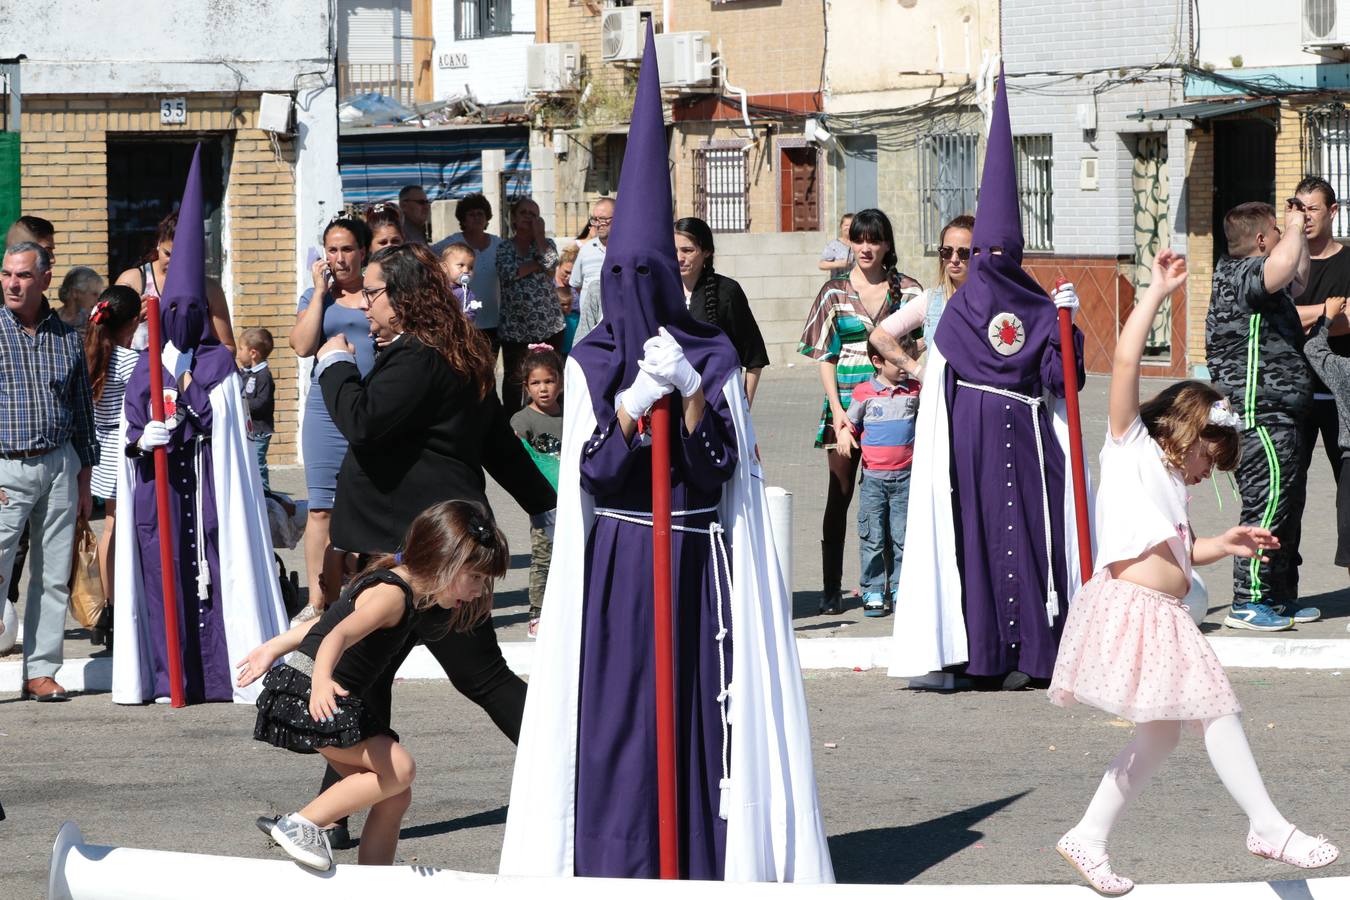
47, 451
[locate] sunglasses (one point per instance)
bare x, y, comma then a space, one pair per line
962, 253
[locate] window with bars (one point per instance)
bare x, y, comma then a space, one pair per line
1035, 193
721, 188
948, 181
481, 18
1326, 153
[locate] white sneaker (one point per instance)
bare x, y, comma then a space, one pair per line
303, 841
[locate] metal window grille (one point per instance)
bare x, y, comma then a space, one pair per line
721, 188
947, 181
481, 18
1326, 153
1035, 191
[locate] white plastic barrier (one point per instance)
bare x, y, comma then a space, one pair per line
81, 871
780, 523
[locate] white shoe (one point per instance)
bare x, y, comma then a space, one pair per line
303, 841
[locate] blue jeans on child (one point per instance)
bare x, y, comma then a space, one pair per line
260, 445
882, 505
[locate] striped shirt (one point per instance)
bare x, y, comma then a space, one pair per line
44, 388
885, 414
108, 421
836, 331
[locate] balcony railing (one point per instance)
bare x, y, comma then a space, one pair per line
377, 78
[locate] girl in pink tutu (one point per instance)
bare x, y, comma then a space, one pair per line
1130, 646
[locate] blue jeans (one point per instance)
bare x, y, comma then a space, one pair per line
260, 444
882, 506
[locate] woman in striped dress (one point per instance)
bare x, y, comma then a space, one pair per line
110, 359
843, 316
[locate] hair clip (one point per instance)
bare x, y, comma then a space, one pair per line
398, 559
100, 313
533, 347
1221, 414
482, 531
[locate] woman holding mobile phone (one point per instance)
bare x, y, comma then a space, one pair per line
339, 310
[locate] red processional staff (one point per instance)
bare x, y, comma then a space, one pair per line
168, 570
1076, 464
662, 584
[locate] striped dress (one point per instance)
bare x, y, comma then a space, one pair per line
836, 331
108, 422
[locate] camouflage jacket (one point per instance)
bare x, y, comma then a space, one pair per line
1254, 345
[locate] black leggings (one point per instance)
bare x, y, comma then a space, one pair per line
838, 496
473, 660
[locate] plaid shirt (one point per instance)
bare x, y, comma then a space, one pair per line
44, 388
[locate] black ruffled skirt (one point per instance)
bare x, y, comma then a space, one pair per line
284, 719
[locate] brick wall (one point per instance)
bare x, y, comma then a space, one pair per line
64, 172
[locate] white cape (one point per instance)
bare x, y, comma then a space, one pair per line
931, 634
250, 594
774, 827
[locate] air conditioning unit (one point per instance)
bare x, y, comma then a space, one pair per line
1326, 25
552, 68
684, 59
621, 33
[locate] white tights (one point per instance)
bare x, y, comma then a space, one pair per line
1131, 770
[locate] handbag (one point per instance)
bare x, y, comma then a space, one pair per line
87, 598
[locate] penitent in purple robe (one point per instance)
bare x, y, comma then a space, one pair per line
616, 798
997, 480
192, 516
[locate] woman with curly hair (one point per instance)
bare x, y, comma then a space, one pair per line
422, 426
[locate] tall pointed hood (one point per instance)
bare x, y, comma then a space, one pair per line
183, 307
640, 289
999, 223
997, 287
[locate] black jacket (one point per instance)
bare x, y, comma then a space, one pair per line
417, 435
730, 311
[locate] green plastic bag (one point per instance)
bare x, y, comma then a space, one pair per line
546, 463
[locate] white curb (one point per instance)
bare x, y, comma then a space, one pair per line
815, 653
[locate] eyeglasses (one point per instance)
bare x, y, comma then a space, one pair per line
371, 295
962, 253
601, 220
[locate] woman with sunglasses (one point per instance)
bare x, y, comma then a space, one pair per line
332, 307
843, 317
953, 267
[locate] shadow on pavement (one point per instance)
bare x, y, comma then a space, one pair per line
898, 855
476, 820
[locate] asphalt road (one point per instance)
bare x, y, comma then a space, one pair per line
923, 788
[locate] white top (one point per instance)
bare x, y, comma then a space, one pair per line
484, 284
590, 259
108, 422
1141, 501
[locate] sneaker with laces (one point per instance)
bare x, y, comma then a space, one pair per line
1257, 617
1301, 616
303, 841
874, 604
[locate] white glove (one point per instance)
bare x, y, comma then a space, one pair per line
642, 394
1066, 298
664, 359
156, 434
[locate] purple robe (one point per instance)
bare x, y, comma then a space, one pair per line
997, 479
207, 673
616, 791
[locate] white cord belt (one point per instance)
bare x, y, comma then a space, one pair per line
721, 567
199, 528
1051, 595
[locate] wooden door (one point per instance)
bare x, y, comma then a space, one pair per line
798, 190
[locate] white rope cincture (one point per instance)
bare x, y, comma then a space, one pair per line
1051, 595
203, 570
721, 565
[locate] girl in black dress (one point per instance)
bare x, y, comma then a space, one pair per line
312, 703
717, 299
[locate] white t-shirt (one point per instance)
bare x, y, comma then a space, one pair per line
1141, 501
590, 260
484, 284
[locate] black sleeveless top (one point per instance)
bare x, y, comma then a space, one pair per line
367, 658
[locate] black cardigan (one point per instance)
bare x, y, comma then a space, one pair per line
417, 435
733, 316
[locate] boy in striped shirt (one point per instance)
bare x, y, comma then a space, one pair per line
882, 412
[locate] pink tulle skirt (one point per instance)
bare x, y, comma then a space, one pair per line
1137, 653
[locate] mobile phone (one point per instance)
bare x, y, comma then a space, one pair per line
328, 276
